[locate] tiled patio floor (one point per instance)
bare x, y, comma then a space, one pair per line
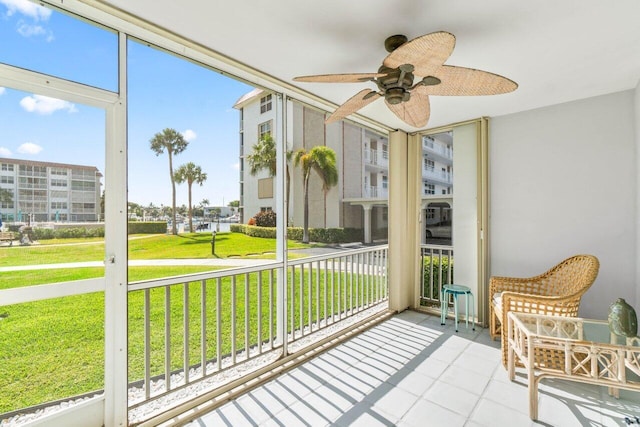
410, 371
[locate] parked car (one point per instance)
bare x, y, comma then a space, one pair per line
440, 230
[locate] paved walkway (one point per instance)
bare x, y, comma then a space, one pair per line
221, 262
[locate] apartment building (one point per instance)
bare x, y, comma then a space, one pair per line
43, 191
360, 199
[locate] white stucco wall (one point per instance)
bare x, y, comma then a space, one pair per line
563, 181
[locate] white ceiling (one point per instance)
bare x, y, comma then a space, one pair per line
556, 50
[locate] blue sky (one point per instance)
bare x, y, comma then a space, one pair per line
164, 92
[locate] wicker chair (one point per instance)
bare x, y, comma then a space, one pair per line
556, 292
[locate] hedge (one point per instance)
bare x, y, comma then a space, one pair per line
81, 232
322, 235
432, 265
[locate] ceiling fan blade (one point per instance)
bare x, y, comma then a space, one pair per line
426, 53
353, 104
415, 112
339, 78
469, 82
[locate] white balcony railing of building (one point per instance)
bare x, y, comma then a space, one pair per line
435, 175
376, 192
205, 328
376, 157
441, 150
437, 270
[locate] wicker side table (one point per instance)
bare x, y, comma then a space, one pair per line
570, 348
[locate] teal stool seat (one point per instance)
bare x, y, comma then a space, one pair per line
455, 291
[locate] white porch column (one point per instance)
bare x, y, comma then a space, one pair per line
404, 214
367, 223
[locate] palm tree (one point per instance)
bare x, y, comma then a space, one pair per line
190, 173
323, 160
263, 157
171, 141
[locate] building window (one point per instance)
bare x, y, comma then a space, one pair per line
429, 165
385, 151
7, 167
265, 104
6, 180
429, 188
385, 181
265, 209
58, 205
264, 129
265, 188
58, 182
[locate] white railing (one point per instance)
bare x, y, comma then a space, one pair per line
375, 157
376, 192
437, 148
437, 270
441, 176
201, 328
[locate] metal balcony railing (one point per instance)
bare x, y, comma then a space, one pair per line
207, 326
437, 270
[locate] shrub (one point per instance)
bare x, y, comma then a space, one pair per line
322, 235
148, 227
82, 232
252, 221
237, 228
431, 267
265, 219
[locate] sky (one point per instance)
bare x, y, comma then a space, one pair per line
165, 91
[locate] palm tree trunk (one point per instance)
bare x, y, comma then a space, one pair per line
174, 229
190, 212
305, 230
286, 204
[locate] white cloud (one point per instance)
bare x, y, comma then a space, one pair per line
2, 90
236, 166
189, 135
29, 30
25, 7
44, 105
29, 148
5, 152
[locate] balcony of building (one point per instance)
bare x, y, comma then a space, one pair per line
390, 365
376, 159
437, 151
437, 176
375, 192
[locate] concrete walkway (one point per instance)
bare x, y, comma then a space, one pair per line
222, 262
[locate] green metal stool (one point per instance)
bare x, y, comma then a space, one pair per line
456, 290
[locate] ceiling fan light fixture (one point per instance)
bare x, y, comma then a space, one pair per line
395, 95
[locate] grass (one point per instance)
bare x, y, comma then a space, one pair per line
161, 246
54, 348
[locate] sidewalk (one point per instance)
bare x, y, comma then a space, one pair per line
226, 262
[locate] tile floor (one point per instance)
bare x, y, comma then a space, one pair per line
410, 371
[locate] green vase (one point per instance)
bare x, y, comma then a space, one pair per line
622, 319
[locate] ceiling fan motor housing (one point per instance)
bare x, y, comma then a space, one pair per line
395, 85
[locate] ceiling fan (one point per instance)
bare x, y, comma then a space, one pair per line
411, 72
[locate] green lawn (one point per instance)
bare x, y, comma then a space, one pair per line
161, 246
55, 348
